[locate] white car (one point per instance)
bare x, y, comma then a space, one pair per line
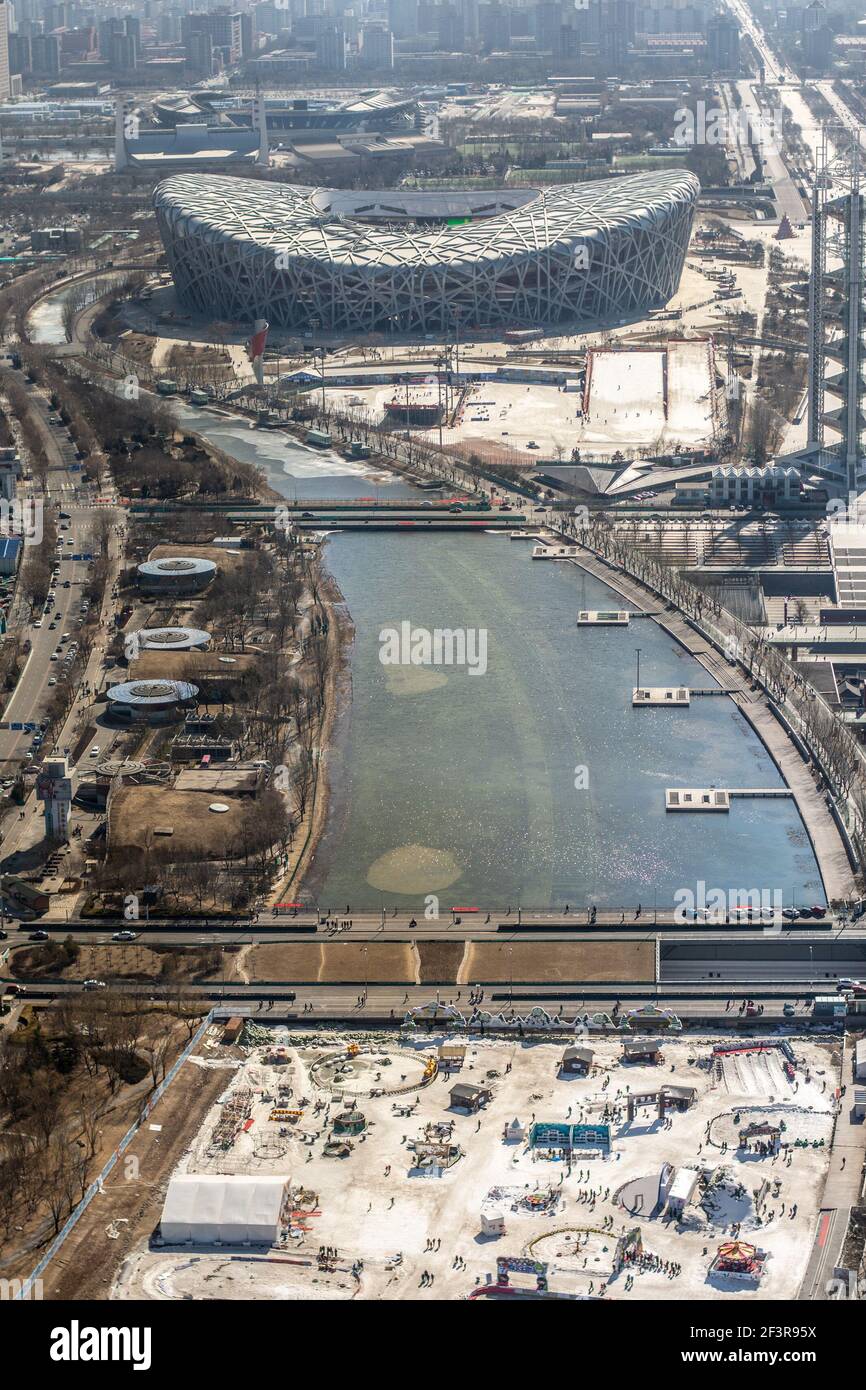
52, 680
94, 752
94, 984
125, 936
38, 622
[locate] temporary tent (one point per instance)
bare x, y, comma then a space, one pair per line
210, 1209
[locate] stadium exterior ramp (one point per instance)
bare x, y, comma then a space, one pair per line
577, 254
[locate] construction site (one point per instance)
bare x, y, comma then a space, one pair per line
423, 1164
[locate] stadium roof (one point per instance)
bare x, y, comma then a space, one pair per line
303, 222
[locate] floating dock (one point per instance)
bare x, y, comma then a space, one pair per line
603, 617
554, 552
697, 799
715, 798
660, 695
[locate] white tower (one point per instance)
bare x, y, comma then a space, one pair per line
54, 789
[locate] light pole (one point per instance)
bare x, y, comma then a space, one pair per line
637, 681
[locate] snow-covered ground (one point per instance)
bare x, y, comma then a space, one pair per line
375, 1206
626, 398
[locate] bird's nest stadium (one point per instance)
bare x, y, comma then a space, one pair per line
426, 263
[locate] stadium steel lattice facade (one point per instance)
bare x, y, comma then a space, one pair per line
390, 262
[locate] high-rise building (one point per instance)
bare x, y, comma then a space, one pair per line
331, 48
723, 44
200, 53
230, 33
548, 26
818, 47
20, 60
123, 53
5, 80
403, 18
450, 29
56, 16
45, 55
494, 25
469, 11
616, 33
814, 16
377, 47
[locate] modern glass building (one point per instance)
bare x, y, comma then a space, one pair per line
407, 262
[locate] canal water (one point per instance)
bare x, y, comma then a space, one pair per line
45, 320
535, 783
297, 470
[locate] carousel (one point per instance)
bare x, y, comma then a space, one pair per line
739, 1259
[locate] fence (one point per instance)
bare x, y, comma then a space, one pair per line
96, 1186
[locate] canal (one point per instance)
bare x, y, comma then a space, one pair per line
534, 782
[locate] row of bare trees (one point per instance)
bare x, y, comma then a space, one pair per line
60, 1078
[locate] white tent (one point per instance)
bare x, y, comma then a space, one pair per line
210, 1209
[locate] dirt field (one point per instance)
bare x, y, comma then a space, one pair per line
226, 559
310, 963
540, 961
440, 961
156, 665
135, 811
118, 961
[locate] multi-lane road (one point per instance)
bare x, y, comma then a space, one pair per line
67, 492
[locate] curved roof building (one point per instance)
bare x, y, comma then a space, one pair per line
152, 694
179, 573
359, 262
172, 639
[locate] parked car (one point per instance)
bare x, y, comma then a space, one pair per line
788, 1010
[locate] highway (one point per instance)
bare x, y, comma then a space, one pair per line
369, 926
65, 490
371, 1001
